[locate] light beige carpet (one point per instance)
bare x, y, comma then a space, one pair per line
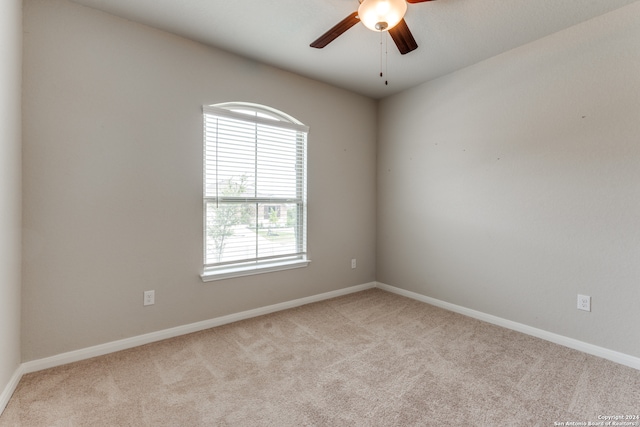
366, 359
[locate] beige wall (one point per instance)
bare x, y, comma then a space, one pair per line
10, 187
112, 179
513, 185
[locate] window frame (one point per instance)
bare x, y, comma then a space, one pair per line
259, 115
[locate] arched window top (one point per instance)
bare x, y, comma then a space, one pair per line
248, 109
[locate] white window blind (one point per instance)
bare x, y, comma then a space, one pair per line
254, 189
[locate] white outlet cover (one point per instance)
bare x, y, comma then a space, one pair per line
584, 302
149, 297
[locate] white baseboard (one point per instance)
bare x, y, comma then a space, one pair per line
614, 356
6, 394
111, 347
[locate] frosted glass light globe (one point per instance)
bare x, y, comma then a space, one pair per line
381, 15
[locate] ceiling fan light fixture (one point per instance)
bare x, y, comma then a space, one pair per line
381, 15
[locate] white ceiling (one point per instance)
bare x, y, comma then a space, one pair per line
451, 34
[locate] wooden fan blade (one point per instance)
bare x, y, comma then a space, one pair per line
417, 1
336, 31
403, 38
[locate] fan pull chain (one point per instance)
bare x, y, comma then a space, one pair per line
381, 54
386, 55
386, 59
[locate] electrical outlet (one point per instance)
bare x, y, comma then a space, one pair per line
584, 302
149, 297
353, 263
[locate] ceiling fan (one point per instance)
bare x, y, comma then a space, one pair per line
377, 15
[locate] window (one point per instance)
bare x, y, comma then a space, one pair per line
255, 207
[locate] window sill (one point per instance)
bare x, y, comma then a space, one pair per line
211, 275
